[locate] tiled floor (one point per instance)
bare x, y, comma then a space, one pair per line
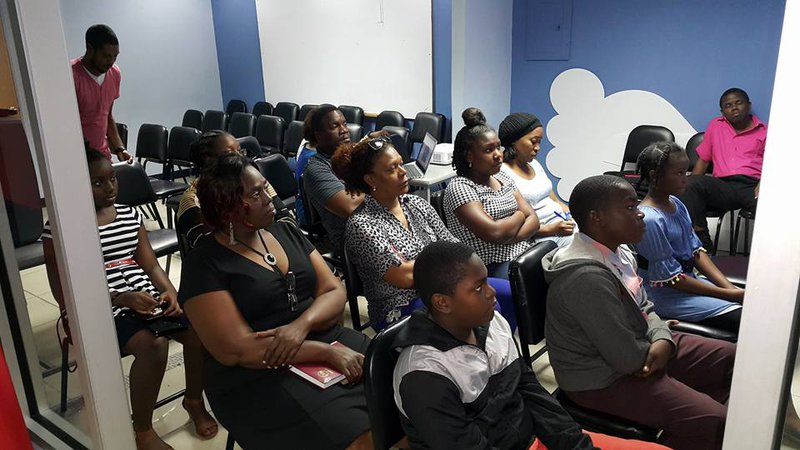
170, 421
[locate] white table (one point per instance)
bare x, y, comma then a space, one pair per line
434, 175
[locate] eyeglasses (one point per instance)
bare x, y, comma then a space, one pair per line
379, 143
290, 294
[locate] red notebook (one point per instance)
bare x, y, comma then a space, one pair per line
318, 374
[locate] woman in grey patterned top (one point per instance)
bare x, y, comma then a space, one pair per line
482, 204
387, 232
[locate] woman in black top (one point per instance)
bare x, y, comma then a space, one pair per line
261, 297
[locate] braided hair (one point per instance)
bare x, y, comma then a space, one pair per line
474, 127
653, 158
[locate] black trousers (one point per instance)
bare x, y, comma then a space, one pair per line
706, 193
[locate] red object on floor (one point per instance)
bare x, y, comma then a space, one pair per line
13, 432
607, 442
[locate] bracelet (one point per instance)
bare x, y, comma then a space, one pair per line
119, 149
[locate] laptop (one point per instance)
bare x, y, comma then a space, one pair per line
418, 168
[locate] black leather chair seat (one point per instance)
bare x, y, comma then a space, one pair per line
733, 267
702, 330
599, 422
164, 241
30, 255
166, 188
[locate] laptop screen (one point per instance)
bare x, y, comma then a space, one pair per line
426, 152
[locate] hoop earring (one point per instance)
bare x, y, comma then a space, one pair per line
231, 237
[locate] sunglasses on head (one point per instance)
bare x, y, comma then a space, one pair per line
379, 143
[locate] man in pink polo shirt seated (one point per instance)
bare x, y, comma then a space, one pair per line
97, 81
734, 143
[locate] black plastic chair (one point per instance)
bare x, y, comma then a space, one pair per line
269, 132
122, 129
747, 215
278, 173
192, 118
379, 362
214, 120
437, 201
355, 288
241, 124
691, 152
178, 153
235, 106
286, 111
426, 122
292, 138
356, 132
262, 108
250, 146
135, 190
389, 118
405, 135
733, 267
151, 145
639, 138
304, 110
353, 114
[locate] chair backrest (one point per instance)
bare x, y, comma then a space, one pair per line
356, 132
235, 106
241, 124
353, 114
122, 129
304, 110
379, 362
250, 146
639, 138
691, 151
151, 143
262, 108
214, 120
134, 185
192, 118
292, 138
437, 201
355, 288
529, 291
405, 136
313, 221
426, 122
286, 111
389, 118
278, 173
180, 140
269, 131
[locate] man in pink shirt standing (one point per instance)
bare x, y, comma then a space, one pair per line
97, 81
734, 143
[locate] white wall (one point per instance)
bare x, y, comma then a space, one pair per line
372, 53
168, 56
482, 59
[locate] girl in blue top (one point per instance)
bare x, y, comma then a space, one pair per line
670, 251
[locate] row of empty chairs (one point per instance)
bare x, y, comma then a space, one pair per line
278, 129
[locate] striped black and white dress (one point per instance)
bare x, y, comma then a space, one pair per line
118, 241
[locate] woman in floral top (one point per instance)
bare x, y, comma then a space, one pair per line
387, 232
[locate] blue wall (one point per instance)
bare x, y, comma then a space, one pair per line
442, 56
686, 51
238, 51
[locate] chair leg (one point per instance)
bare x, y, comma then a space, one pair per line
747, 237
526, 353
230, 442
716, 234
156, 214
169, 260
64, 375
731, 236
736, 235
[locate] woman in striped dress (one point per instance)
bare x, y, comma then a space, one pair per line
143, 300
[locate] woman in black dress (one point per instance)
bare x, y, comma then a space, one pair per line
261, 297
